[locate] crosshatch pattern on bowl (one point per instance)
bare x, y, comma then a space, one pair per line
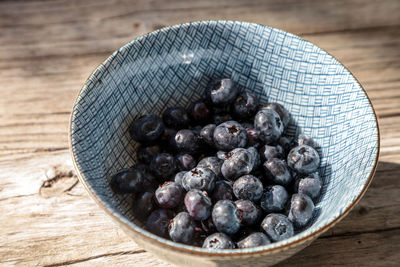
173, 67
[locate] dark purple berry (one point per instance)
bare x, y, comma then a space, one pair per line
200, 112
218, 241
254, 240
199, 178
306, 140
239, 162
226, 217
249, 212
303, 159
187, 141
212, 163
282, 112
277, 227
287, 143
144, 205
147, 128
145, 154
150, 181
185, 162
222, 92
301, 210
129, 180
179, 177
198, 204
248, 187
310, 186
274, 199
278, 171
222, 155
207, 133
221, 118
245, 105
169, 195
182, 228
176, 117
269, 152
158, 222
230, 135
222, 190
269, 125
163, 166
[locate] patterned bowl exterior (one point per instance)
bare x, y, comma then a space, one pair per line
173, 66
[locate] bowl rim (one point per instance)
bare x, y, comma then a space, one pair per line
229, 252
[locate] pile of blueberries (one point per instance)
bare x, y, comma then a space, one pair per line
222, 174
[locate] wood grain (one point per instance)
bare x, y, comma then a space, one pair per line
48, 48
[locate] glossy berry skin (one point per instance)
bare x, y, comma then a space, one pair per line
212, 163
249, 212
310, 186
254, 240
222, 92
163, 166
282, 112
301, 210
169, 195
179, 177
268, 152
229, 135
255, 157
269, 125
248, 187
253, 137
144, 204
176, 117
303, 159
278, 171
245, 105
277, 227
222, 155
226, 217
221, 118
200, 112
182, 228
158, 222
303, 139
198, 204
186, 141
222, 190
218, 241
185, 162
129, 180
148, 128
199, 178
287, 143
150, 181
274, 199
207, 134
145, 154
238, 163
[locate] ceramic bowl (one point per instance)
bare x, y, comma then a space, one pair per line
173, 66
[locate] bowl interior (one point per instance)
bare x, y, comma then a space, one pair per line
173, 67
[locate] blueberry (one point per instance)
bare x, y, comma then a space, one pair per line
221, 118
230, 135
254, 240
163, 166
207, 133
167, 140
253, 137
129, 180
287, 143
144, 205
150, 181
185, 162
249, 212
212, 163
187, 141
277, 227
200, 112
158, 222
278, 171
226, 217
269, 124
303, 159
169, 195
147, 128
269, 152
310, 186
245, 105
274, 199
222, 190
199, 178
222, 92
182, 228
239, 162
222, 155
248, 187
198, 204
255, 157
176, 117
218, 241
179, 177
303, 139
282, 112
146, 153
301, 210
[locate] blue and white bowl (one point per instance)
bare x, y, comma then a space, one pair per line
172, 66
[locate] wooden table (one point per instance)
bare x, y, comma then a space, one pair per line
48, 49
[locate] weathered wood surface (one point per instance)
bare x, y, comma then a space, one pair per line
48, 48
